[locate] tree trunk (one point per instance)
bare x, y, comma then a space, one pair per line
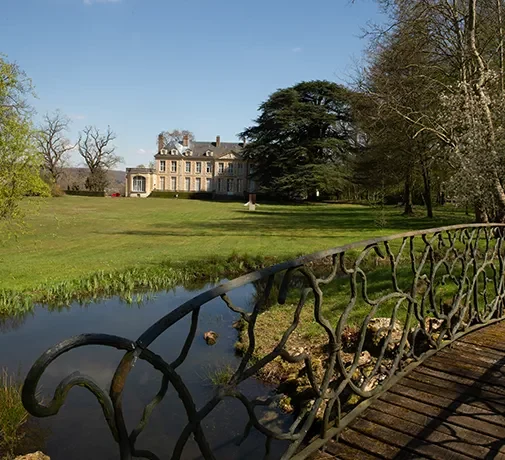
481, 214
407, 196
427, 190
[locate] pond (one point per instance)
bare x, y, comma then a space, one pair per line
79, 430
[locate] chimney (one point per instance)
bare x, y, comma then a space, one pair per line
185, 140
160, 142
218, 141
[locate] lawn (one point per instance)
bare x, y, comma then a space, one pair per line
73, 237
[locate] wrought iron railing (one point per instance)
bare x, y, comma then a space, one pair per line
390, 303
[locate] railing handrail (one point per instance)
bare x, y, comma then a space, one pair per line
335, 369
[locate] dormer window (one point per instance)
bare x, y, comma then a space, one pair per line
173, 151
208, 153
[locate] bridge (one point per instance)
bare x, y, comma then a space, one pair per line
386, 348
451, 407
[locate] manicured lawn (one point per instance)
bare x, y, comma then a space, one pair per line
71, 237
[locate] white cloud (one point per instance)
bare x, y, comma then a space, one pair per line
297, 49
145, 152
90, 2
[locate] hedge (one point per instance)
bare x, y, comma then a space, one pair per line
181, 195
83, 193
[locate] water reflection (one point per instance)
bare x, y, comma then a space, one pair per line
79, 430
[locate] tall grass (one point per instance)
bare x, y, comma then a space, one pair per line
12, 414
126, 283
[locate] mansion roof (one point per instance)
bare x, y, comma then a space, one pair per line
202, 150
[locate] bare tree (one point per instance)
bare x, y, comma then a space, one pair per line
98, 152
53, 145
168, 138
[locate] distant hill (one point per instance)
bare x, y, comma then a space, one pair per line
77, 177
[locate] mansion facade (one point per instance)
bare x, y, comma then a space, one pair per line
211, 167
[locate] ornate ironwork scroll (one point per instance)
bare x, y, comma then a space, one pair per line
389, 304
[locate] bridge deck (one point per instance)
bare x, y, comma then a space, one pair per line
451, 407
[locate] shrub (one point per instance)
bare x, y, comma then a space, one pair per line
56, 190
181, 195
12, 413
84, 193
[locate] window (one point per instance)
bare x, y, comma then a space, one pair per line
173, 183
162, 165
174, 166
240, 168
230, 169
229, 185
220, 168
139, 184
187, 184
199, 167
239, 185
188, 166
162, 183
220, 185
198, 184
209, 185
208, 167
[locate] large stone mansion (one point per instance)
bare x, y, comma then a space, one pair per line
212, 167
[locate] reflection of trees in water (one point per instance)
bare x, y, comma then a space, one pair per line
13, 323
260, 286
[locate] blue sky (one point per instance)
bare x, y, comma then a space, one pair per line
143, 66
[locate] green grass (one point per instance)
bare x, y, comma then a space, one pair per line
12, 414
220, 376
69, 240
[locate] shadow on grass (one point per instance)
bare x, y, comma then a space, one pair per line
303, 223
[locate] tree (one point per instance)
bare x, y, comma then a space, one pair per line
53, 145
19, 162
169, 138
453, 99
302, 126
99, 155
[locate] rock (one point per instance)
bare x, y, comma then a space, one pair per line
374, 381
239, 325
35, 456
285, 405
377, 332
433, 324
364, 358
211, 337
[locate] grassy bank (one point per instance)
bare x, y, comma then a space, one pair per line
12, 414
80, 247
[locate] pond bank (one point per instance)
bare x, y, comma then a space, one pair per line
128, 282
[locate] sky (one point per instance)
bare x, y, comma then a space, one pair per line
144, 66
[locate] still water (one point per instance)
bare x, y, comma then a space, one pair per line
79, 430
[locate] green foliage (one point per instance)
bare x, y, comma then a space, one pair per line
328, 179
308, 125
12, 414
19, 162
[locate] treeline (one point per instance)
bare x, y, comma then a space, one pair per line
423, 122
